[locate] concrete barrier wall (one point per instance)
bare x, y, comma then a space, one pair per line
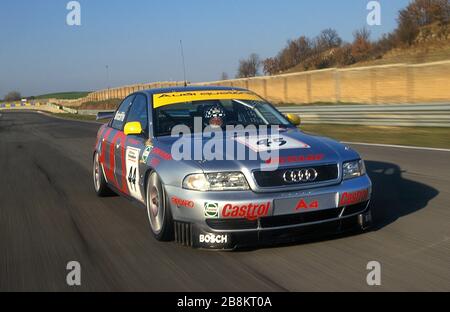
397, 83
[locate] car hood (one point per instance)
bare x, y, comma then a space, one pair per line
288, 148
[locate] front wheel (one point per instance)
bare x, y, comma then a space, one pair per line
158, 211
100, 185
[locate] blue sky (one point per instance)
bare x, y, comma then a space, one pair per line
139, 39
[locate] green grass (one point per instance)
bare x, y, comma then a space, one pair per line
74, 116
410, 136
107, 104
63, 95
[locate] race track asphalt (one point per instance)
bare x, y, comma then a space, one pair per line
50, 215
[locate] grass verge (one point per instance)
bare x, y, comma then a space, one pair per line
410, 136
74, 116
63, 95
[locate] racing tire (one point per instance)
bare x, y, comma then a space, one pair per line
158, 209
100, 185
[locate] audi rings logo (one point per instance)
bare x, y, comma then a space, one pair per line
303, 175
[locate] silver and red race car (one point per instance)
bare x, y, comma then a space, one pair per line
220, 168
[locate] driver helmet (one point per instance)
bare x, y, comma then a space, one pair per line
215, 115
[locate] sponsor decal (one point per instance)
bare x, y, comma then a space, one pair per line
132, 171
164, 99
213, 238
182, 202
296, 159
146, 153
211, 210
248, 211
304, 205
353, 198
271, 143
120, 116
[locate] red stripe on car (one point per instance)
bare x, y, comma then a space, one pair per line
112, 159
103, 151
124, 167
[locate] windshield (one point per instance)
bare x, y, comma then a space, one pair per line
216, 113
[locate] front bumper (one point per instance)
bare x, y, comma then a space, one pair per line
207, 220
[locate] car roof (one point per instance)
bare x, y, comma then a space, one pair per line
151, 92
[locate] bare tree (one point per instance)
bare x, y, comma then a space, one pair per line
249, 67
224, 76
271, 66
361, 44
295, 52
328, 39
343, 55
13, 96
420, 13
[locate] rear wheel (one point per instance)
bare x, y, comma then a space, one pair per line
100, 185
158, 211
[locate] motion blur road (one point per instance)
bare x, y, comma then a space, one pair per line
50, 215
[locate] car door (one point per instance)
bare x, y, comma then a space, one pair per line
131, 149
113, 136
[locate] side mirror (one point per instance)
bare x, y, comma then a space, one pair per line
133, 128
294, 119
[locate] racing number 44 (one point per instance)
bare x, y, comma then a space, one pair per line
132, 177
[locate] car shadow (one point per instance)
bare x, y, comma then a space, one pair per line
393, 197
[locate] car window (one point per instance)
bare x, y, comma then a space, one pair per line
138, 111
226, 112
119, 118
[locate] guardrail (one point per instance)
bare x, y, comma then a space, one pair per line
414, 115
63, 108
423, 115
417, 115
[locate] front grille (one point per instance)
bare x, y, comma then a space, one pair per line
232, 224
183, 233
275, 178
300, 218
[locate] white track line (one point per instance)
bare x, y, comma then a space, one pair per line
401, 146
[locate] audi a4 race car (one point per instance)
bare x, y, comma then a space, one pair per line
219, 168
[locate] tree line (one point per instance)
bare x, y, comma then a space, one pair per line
329, 50
12, 96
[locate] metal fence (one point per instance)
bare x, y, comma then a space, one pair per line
416, 115
423, 115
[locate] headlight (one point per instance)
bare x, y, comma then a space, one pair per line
353, 169
224, 181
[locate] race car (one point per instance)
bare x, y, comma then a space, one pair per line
221, 168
